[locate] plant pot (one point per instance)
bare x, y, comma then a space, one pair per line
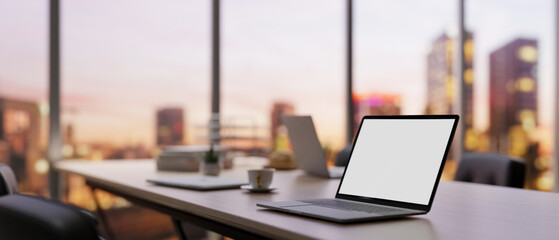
211, 169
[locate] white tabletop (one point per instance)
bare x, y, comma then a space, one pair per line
460, 210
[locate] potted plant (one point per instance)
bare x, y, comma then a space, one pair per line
211, 165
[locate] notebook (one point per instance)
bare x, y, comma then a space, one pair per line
202, 183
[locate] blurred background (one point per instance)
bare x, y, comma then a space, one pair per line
136, 76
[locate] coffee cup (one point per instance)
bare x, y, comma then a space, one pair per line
260, 178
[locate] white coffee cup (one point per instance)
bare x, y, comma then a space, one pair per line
260, 178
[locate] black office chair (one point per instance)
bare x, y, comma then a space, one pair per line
28, 217
8, 182
491, 168
343, 156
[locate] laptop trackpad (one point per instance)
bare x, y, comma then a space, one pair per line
329, 212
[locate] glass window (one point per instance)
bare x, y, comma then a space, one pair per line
127, 71
405, 59
135, 77
24, 92
282, 57
514, 46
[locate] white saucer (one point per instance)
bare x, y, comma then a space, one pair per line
258, 190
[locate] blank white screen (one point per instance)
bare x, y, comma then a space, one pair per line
397, 159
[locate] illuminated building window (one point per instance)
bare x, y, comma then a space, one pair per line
527, 119
471, 140
469, 76
545, 181
518, 141
450, 88
528, 54
41, 166
525, 84
67, 150
469, 50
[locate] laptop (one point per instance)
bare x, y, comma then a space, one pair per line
307, 151
393, 171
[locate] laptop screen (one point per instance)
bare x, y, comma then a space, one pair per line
397, 159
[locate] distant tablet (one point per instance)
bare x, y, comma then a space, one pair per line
201, 183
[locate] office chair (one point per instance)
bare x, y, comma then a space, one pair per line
8, 182
343, 156
491, 168
28, 217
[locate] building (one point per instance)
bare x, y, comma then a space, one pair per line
513, 102
20, 148
279, 109
513, 96
170, 126
441, 81
376, 104
441, 69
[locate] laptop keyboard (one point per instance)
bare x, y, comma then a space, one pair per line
335, 204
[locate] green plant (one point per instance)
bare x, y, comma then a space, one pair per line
211, 156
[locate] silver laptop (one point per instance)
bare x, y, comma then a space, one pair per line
393, 171
307, 151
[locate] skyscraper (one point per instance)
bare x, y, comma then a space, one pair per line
170, 126
279, 109
441, 83
513, 96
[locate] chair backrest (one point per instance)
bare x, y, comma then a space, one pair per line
343, 156
491, 168
8, 182
28, 217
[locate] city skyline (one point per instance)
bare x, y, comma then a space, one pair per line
101, 80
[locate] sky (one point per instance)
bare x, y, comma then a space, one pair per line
122, 60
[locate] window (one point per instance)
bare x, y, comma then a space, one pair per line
135, 78
23, 92
124, 67
282, 57
514, 82
405, 58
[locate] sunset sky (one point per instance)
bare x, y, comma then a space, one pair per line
124, 59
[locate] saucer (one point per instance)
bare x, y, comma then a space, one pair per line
258, 190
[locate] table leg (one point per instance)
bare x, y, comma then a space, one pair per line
178, 229
101, 213
183, 216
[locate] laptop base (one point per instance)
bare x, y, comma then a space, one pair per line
304, 208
